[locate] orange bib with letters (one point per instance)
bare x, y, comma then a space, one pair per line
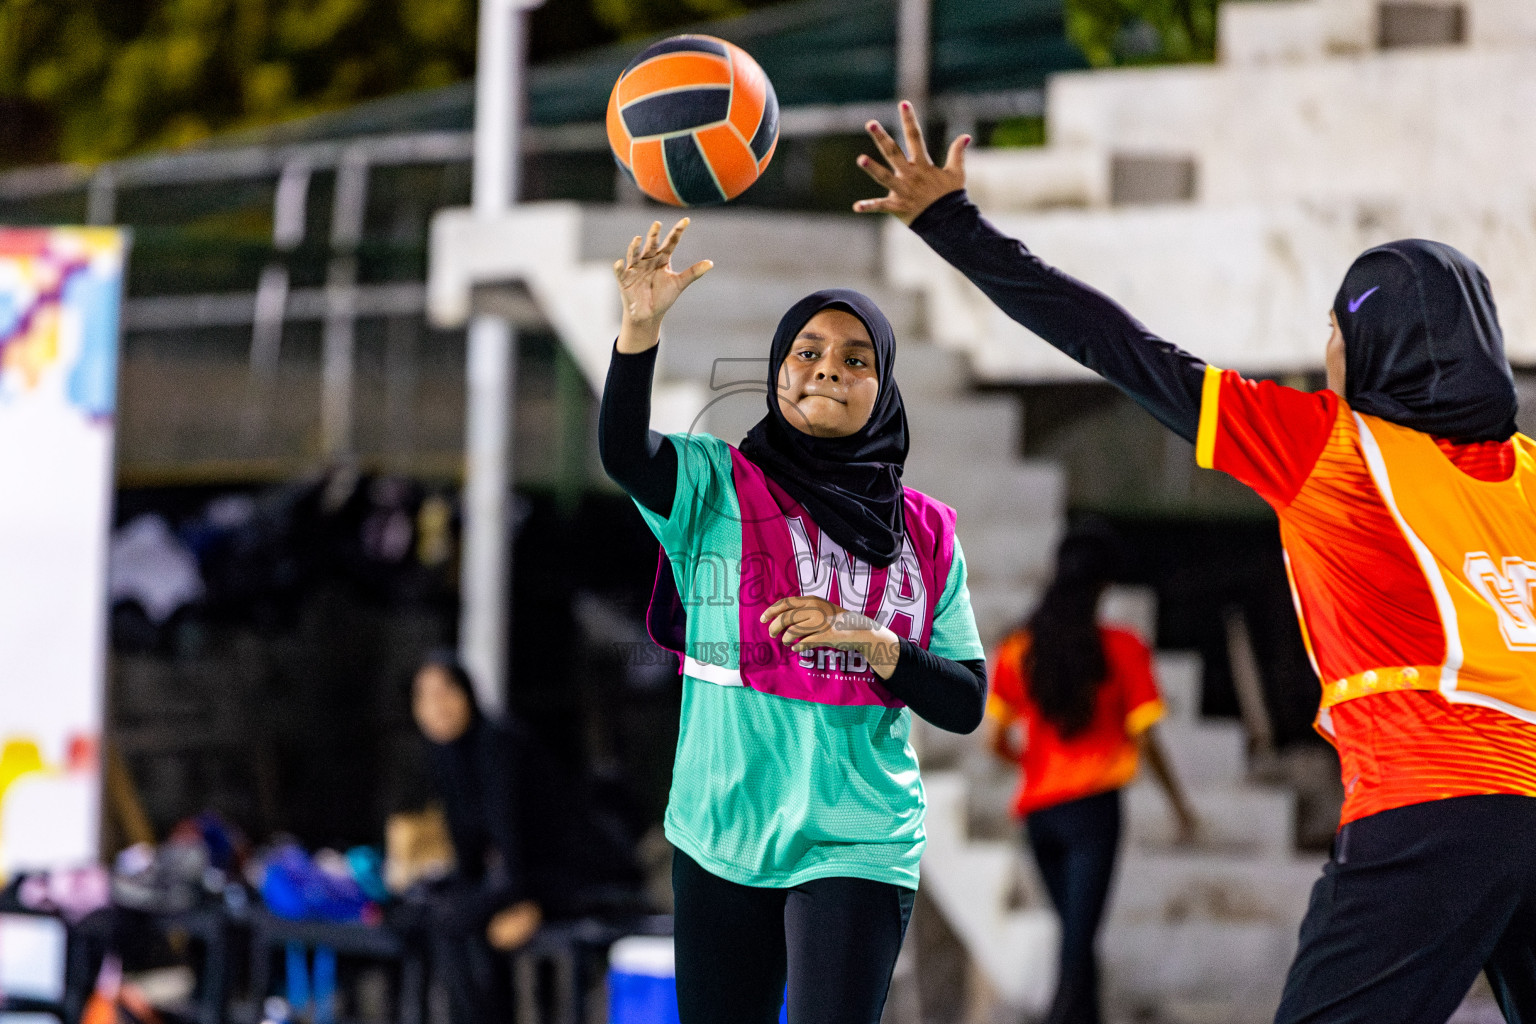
1475, 543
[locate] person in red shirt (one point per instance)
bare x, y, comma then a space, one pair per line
1405, 500
1072, 704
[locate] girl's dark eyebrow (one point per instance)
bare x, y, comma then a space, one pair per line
850, 342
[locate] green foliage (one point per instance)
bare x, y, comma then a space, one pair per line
116, 76
1018, 131
643, 17
95, 79
1120, 32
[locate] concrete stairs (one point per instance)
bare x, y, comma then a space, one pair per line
1222, 203
1202, 933
1211, 926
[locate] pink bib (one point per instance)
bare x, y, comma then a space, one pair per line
784, 553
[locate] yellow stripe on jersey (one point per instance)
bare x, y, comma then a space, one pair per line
1210, 404
1144, 717
1000, 710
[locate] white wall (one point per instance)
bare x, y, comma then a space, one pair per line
1308, 147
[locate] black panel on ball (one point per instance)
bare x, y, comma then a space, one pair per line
691, 178
679, 44
768, 127
677, 111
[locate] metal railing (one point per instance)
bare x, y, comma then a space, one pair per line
343, 300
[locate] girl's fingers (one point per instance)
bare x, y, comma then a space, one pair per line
803, 622
618, 269
632, 254
786, 603
696, 271
884, 143
673, 237
775, 609
917, 150
955, 160
885, 204
826, 638
783, 617
883, 175
650, 240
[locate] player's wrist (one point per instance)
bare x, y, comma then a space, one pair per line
883, 652
636, 336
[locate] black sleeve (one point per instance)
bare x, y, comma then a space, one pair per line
1082, 322
636, 457
949, 694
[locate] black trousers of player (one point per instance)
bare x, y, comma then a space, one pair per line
834, 940
1075, 844
1412, 904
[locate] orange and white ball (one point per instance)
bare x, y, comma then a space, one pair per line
694, 120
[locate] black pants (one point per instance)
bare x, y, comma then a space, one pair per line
476, 978
1075, 844
834, 940
1413, 903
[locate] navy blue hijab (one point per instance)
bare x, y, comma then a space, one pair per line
1422, 343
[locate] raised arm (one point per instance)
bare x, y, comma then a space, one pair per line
1079, 320
639, 459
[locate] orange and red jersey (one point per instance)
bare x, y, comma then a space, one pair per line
1403, 554
1412, 559
1053, 769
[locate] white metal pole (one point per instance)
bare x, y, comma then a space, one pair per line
486, 578
914, 45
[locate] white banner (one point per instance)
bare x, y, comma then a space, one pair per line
60, 295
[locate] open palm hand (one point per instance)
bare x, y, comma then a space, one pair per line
912, 180
648, 284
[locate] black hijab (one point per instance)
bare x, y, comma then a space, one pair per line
471, 776
1422, 343
850, 485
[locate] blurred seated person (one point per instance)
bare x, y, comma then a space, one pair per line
513, 830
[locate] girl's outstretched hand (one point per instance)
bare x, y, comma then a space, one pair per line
912, 178
649, 285
808, 622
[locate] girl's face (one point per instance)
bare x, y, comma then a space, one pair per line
828, 383
441, 709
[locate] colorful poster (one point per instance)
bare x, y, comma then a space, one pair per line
60, 294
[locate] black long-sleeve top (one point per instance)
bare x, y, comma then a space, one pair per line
1081, 321
950, 694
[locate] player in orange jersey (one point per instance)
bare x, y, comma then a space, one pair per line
1073, 706
1404, 495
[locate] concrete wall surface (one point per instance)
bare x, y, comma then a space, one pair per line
1223, 203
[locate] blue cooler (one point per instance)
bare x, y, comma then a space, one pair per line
642, 981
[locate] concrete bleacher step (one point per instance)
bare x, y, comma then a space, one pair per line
1179, 679
945, 794
989, 484
765, 242
742, 310
924, 369
1248, 821
1170, 887
984, 428
1207, 752
1241, 962
1000, 606
1210, 1010
1007, 551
